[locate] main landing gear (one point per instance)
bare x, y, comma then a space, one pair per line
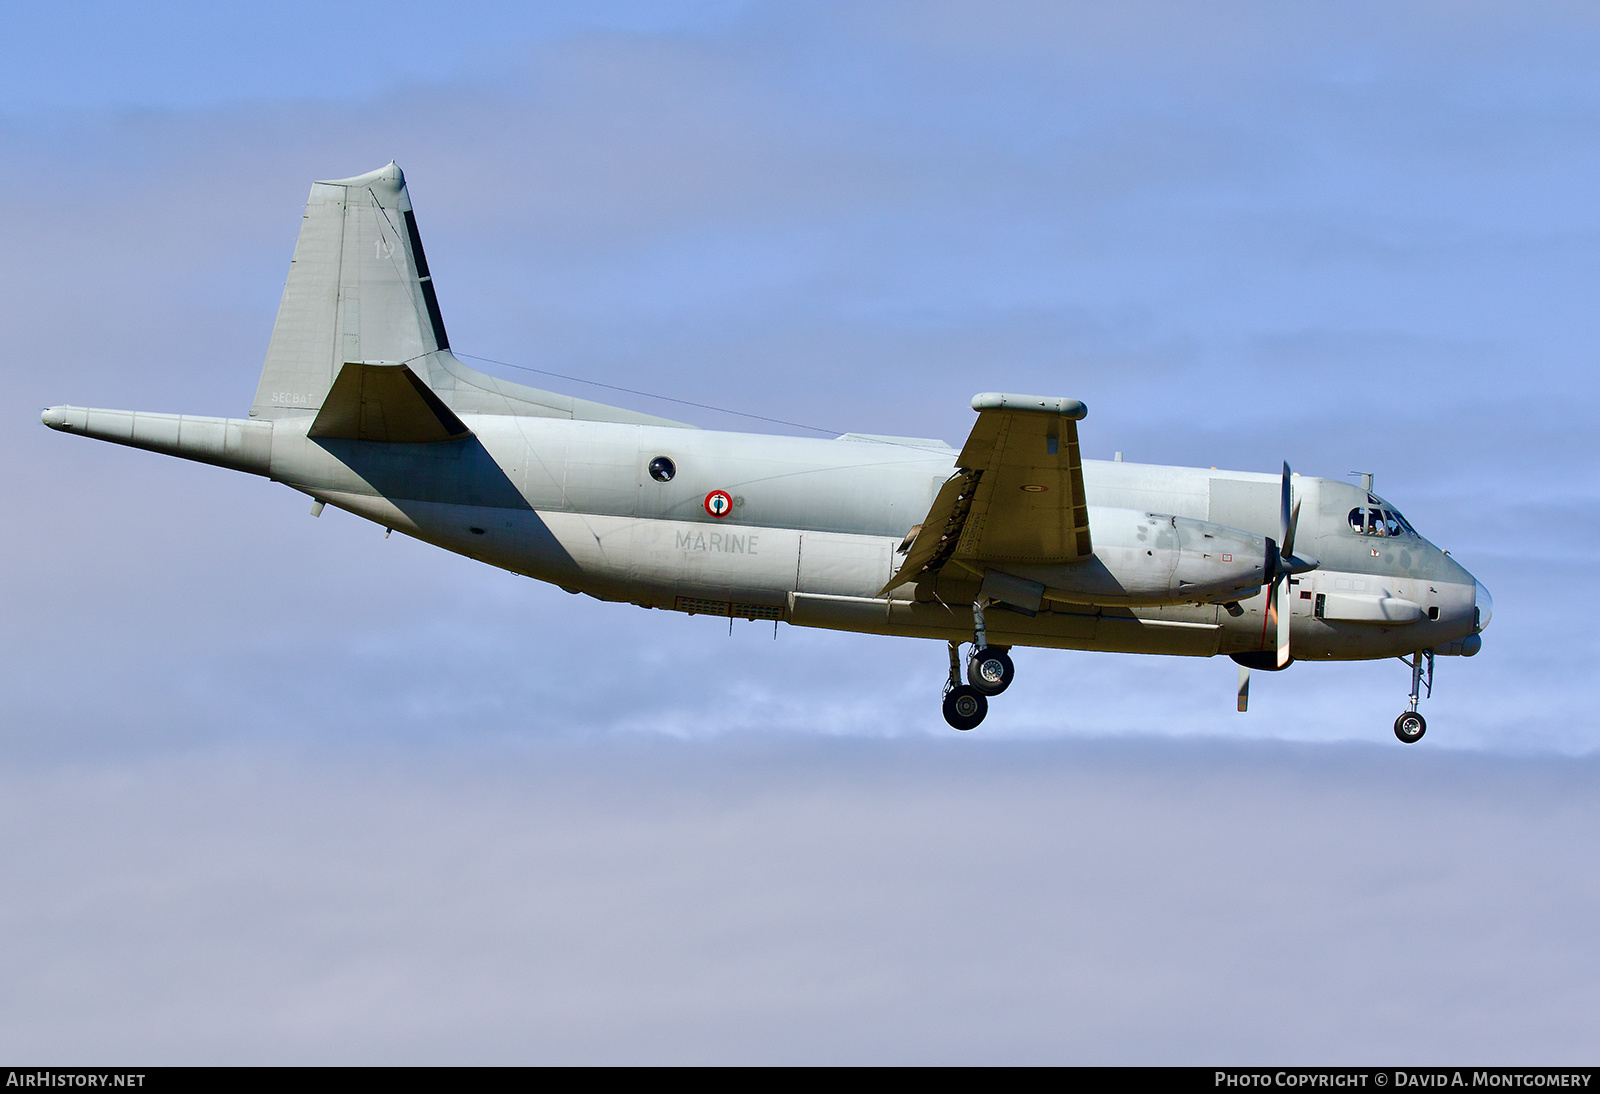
1410, 726
989, 672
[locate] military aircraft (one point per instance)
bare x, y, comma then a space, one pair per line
1015, 539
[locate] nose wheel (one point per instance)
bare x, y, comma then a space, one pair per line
1410, 726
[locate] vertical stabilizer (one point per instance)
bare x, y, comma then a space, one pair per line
358, 290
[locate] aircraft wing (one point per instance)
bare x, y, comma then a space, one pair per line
1017, 496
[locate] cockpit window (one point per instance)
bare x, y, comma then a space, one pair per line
1372, 521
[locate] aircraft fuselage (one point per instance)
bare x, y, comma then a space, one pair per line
812, 529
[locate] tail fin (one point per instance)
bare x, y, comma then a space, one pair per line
358, 290
359, 293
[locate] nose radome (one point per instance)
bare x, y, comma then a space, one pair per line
1485, 605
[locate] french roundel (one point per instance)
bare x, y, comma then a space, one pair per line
719, 504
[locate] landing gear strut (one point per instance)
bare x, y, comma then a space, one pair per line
989, 668
989, 672
1410, 726
964, 706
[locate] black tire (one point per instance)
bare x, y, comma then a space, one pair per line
964, 707
1410, 727
990, 670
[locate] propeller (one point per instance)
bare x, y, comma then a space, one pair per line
1282, 564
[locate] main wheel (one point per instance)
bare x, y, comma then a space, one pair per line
990, 670
1410, 727
964, 707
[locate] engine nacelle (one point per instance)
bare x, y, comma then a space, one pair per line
1143, 559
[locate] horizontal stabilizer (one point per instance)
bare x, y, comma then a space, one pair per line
386, 403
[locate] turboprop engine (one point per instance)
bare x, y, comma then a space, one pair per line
1149, 558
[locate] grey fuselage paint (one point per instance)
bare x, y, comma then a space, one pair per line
814, 526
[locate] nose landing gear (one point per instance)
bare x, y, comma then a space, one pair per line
1410, 726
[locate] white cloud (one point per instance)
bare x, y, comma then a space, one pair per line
801, 901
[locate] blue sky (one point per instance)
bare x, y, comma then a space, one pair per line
1357, 237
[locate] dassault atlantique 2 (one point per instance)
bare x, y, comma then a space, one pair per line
1015, 539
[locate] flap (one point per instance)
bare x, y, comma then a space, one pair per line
385, 403
939, 531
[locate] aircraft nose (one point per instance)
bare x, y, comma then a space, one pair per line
1484, 604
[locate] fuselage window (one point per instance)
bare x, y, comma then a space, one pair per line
662, 469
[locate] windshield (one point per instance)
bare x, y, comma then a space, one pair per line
1374, 520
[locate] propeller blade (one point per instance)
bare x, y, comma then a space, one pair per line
1288, 535
1283, 509
1296, 564
1271, 591
1244, 688
1280, 598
